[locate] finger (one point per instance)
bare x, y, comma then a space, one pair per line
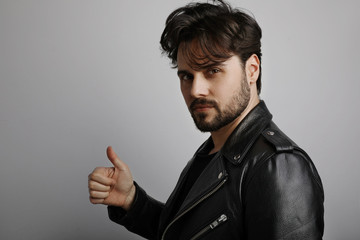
115, 159
99, 195
101, 179
95, 186
96, 200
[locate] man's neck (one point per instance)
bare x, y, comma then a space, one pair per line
220, 136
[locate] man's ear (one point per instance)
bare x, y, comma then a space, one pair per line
252, 69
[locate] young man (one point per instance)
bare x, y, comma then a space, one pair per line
248, 180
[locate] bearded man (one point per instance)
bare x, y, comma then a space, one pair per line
248, 180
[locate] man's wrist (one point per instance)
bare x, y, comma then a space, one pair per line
130, 198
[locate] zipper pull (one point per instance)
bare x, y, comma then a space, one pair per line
221, 219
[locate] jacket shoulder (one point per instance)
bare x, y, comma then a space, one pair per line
282, 191
279, 148
277, 139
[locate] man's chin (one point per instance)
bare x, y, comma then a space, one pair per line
204, 122
205, 126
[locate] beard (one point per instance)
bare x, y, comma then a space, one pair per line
238, 103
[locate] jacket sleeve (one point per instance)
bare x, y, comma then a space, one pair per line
142, 218
284, 199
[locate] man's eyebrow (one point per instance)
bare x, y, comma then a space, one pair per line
182, 72
215, 64
204, 67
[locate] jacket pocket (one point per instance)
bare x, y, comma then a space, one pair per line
220, 220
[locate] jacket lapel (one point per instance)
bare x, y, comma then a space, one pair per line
244, 135
208, 180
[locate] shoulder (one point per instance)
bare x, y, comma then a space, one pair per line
278, 139
283, 190
274, 155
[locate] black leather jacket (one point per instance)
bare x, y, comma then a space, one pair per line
260, 185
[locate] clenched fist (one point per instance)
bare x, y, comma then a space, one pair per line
112, 185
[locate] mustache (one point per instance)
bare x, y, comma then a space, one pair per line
202, 101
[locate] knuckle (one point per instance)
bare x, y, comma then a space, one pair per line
97, 169
93, 194
91, 176
94, 176
94, 200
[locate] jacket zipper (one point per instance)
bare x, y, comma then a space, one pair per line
192, 206
214, 224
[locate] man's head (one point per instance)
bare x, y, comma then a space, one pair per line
217, 52
219, 30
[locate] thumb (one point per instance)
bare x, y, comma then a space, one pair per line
115, 159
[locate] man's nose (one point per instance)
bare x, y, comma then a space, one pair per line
200, 87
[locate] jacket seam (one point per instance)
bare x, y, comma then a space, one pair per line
309, 162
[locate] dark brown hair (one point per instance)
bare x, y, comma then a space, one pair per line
218, 31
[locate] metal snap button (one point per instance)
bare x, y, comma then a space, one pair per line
236, 157
270, 133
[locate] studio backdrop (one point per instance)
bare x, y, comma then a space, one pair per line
79, 75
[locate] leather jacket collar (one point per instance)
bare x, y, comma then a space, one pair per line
244, 135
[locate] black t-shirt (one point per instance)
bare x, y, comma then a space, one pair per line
197, 167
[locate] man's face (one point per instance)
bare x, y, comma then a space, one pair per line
215, 95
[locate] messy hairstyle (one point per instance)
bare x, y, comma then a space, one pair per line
218, 32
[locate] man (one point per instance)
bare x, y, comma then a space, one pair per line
248, 180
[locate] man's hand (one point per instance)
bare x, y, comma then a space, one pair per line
112, 185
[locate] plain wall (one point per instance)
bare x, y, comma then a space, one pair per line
79, 75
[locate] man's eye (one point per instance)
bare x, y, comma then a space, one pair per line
213, 71
185, 77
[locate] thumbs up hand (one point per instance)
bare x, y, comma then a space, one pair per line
112, 185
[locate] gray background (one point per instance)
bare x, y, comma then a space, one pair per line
78, 75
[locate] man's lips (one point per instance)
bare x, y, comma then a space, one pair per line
201, 107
